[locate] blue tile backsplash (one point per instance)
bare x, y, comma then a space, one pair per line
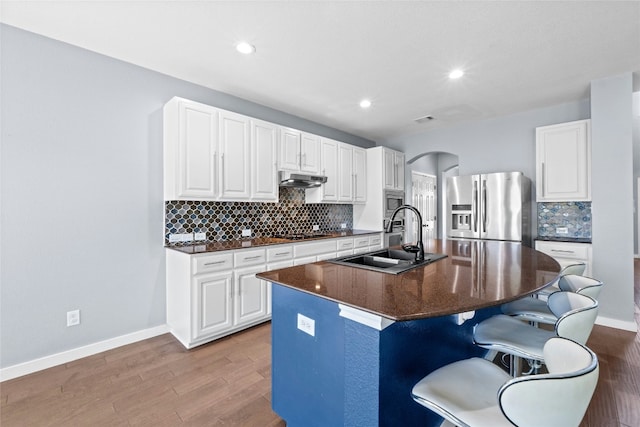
574, 216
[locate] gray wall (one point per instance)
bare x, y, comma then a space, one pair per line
81, 192
494, 145
612, 191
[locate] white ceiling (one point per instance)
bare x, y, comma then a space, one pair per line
318, 59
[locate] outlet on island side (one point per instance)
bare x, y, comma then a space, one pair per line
307, 325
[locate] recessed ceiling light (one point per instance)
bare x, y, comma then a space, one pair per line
456, 74
246, 48
365, 103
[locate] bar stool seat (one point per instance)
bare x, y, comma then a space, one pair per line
576, 269
576, 315
477, 393
537, 310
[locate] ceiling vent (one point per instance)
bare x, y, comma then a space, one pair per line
424, 119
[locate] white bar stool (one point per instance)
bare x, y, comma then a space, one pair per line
575, 269
477, 393
537, 310
576, 315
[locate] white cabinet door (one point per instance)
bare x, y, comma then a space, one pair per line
289, 150
389, 169
250, 299
563, 162
190, 150
235, 156
360, 175
212, 304
393, 173
264, 146
309, 153
345, 169
399, 160
329, 158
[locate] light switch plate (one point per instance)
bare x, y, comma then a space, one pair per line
199, 236
562, 230
246, 232
187, 237
343, 225
316, 227
307, 325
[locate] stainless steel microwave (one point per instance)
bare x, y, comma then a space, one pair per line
393, 199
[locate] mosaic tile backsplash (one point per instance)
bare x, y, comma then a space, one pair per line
223, 221
575, 216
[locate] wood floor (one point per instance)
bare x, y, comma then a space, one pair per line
157, 382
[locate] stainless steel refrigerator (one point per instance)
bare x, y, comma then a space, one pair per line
493, 206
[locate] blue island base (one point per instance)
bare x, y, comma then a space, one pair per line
333, 371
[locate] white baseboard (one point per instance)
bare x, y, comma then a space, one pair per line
617, 324
46, 362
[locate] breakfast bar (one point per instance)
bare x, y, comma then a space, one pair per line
349, 343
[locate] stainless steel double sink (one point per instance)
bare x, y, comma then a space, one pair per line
392, 261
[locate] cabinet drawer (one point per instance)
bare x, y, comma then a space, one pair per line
208, 263
279, 253
361, 242
564, 250
344, 244
375, 240
244, 258
314, 248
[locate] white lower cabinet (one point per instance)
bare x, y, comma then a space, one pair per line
213, 298
567, 253
215, 294
250, 299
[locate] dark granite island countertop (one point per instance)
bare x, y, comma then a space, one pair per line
349, 344
474, 275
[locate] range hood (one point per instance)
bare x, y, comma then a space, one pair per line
301, 180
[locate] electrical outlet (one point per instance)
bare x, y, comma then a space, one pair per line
200, 236
187, 237
343, 225
246, 232
316, 227
73, 317
307, 325
562, 230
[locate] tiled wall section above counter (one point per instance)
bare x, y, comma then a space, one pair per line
224, 221
556, 217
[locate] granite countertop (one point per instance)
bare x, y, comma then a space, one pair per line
476, 274
568, 239
205, 247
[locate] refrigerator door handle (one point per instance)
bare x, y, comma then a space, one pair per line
475, 206
484, 205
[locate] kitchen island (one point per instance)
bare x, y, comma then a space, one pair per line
349, 343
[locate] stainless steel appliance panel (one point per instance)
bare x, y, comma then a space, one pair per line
489, 206
501, 206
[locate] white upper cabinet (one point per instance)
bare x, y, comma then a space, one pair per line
213, 154
393, 169
346, 180
264, 148
359, 175
190, 150
299, 151
329, 162
345, 167
563, 162
235, 156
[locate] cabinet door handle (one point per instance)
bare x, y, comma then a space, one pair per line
215, 263
543, 190
222, 168
249, 258
562, 251
281, 253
